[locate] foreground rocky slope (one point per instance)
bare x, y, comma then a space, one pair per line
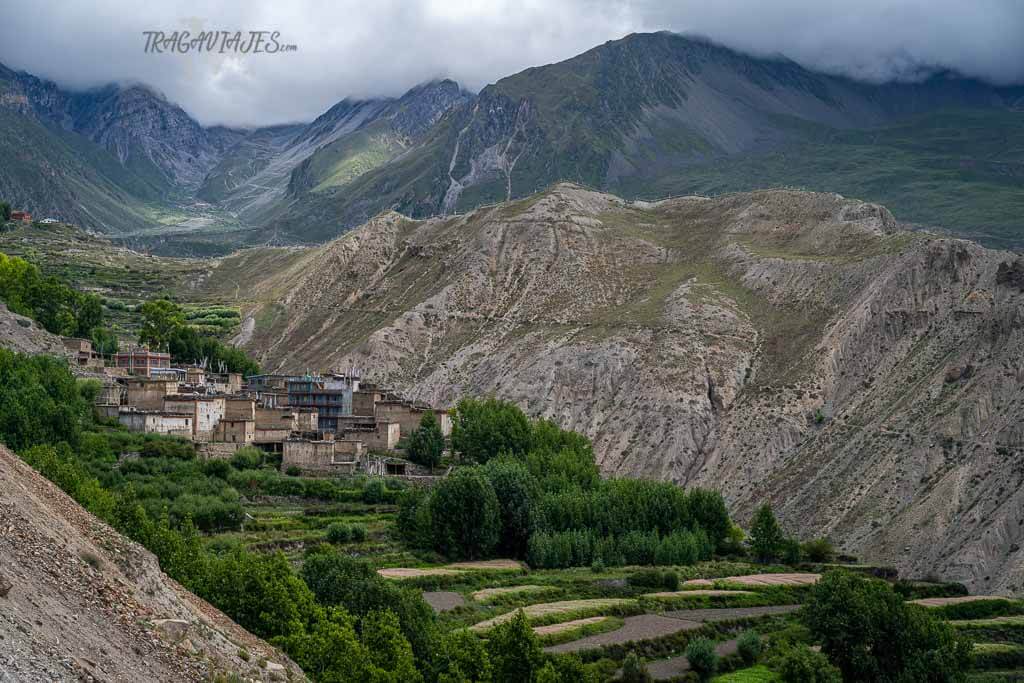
794, 347
79, 602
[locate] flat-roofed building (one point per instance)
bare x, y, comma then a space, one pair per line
140, 360
330, 395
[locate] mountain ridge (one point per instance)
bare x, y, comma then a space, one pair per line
756, 342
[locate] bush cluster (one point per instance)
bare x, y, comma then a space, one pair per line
538, 496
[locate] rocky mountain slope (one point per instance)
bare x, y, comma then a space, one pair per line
779, 345
351, 138
82, 603
652, 114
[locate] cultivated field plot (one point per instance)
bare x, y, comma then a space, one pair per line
697, 593
490, 594
761, 580
552, 629
549, 609
942, 602
636, 628
450, 569
443, 601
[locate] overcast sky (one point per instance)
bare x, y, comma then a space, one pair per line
384, 47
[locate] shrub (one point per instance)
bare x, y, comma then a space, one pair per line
374, 493
247, 458
597, 566
654, 578
819, 550
293, 470
634, 670
702, 657
748, 645
339, 532
358, 532
800, 664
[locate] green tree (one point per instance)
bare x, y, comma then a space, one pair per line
517, 493
330, 651
766, 538
260, 592
426, 444
462, 658
5, 211
40, 402
514, 652
870, 633
464, 515
703, 658
339, 580
483, 429
390, 655
161, 321
104, 341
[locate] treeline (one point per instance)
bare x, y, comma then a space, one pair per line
535, 493
53, 304
63, 310
165, 326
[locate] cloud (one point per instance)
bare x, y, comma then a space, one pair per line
367, 49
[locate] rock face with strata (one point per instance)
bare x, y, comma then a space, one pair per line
80, 602
778, 345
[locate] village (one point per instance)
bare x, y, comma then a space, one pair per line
326, 424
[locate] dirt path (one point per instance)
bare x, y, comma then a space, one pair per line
640, 627
706, 616
664, 669
443, 601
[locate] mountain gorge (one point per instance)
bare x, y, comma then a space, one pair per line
789, 346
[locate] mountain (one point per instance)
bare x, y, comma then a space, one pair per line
779, 345
645, 117
83, 603
660, 114
258, 177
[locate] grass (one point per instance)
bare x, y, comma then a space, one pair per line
754, 674
552, 612
578, 628
493, 595
998, 656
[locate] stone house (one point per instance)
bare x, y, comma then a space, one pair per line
82, 353
239, 408
408, 415
235, 430
315, 457
206, 412
155, 422
149, 394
